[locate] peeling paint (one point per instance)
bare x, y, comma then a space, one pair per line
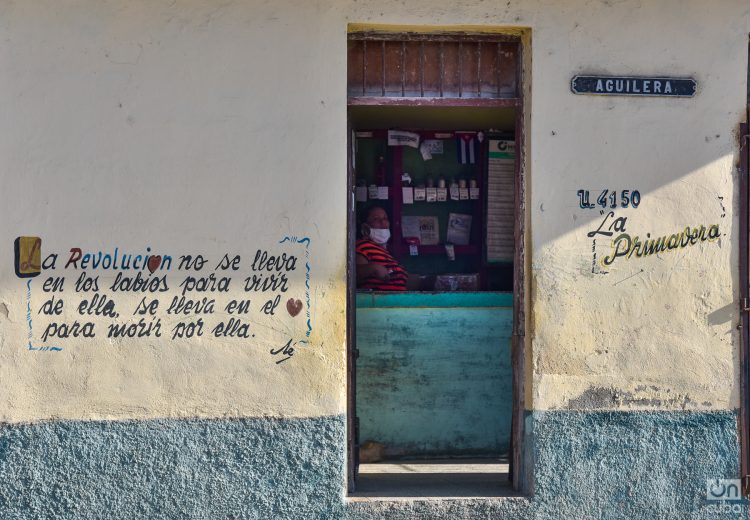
644, 397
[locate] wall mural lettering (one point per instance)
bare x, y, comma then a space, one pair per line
623, 245
82, 288
610, 199
609, 225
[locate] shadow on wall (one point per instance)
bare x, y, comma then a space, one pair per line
633, 208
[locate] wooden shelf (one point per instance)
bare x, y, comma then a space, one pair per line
416, 203
420, 202
440, 249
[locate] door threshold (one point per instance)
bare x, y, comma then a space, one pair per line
440, 479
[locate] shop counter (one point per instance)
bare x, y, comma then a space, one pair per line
434, 372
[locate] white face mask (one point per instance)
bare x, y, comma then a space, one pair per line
380, 236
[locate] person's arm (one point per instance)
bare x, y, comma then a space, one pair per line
367, 269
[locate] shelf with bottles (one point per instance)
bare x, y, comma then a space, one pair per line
430, 194
439, 249
408, 184
441, 177
440, 188
373, 169
407, 176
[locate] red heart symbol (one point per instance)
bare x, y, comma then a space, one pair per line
293, 307
153, 263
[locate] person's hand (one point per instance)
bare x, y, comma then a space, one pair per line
380, 271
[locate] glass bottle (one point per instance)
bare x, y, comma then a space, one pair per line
380, 172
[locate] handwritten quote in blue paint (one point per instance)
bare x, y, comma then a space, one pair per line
198, 296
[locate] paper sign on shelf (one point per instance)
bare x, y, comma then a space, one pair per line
403, 138
450, 251
424, 228
425, 151
435, 146
459, 229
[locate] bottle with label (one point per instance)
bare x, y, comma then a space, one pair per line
380, 172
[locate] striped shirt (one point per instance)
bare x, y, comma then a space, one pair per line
379, 255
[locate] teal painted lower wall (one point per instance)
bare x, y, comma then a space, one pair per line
170, 469
435, 380
585, 465
631, 465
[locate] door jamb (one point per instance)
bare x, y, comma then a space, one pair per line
744, 303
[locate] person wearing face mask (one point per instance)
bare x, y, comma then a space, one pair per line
376, 268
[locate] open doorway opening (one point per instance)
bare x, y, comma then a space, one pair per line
435, 271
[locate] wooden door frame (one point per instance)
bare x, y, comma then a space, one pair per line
518, 341
744, 303
744, 324
744, 300
352, 422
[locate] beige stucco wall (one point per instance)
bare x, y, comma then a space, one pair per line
659, 331
192, 128
203, 127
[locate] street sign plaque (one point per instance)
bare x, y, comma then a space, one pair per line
633, 86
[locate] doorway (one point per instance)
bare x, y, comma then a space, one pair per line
434, 373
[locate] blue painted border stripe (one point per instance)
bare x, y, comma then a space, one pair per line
445, 299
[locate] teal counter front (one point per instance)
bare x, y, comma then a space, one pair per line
434, 372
